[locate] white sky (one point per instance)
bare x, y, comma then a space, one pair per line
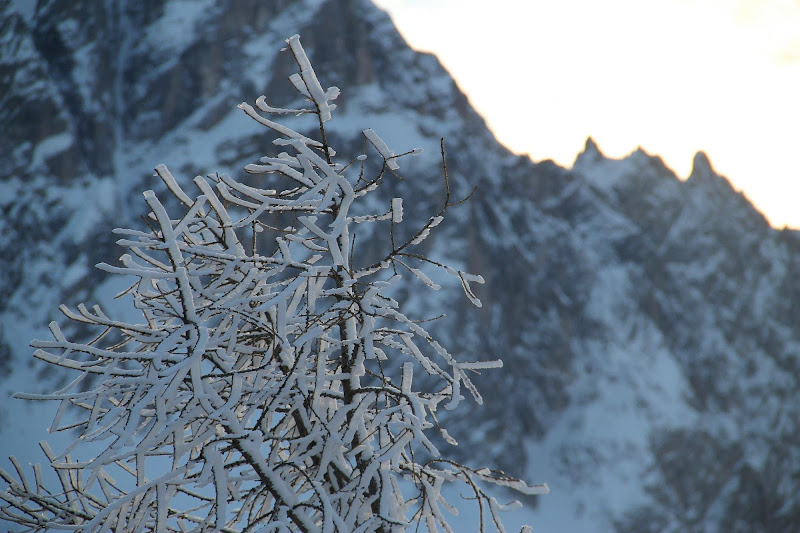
671, 76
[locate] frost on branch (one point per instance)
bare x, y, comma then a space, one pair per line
262, 391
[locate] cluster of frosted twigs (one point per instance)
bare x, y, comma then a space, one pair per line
257, 392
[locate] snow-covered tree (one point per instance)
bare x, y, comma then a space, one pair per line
270, 386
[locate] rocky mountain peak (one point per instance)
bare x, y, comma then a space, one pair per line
701, 167
589, 156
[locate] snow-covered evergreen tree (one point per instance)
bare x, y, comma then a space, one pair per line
270, 385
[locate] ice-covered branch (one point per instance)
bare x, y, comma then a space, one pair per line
272, 389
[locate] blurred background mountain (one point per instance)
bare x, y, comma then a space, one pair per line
647, 324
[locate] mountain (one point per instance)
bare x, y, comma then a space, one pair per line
647, 324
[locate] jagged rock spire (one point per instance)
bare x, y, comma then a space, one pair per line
590, 154
701, 167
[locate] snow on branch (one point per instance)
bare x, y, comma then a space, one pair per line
269, 385
309, 79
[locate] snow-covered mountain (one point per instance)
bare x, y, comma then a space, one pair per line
647, 324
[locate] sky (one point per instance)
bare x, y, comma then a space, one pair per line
670, 76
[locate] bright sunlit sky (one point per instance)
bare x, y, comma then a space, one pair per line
671, 76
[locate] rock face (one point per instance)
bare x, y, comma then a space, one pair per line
647, 324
